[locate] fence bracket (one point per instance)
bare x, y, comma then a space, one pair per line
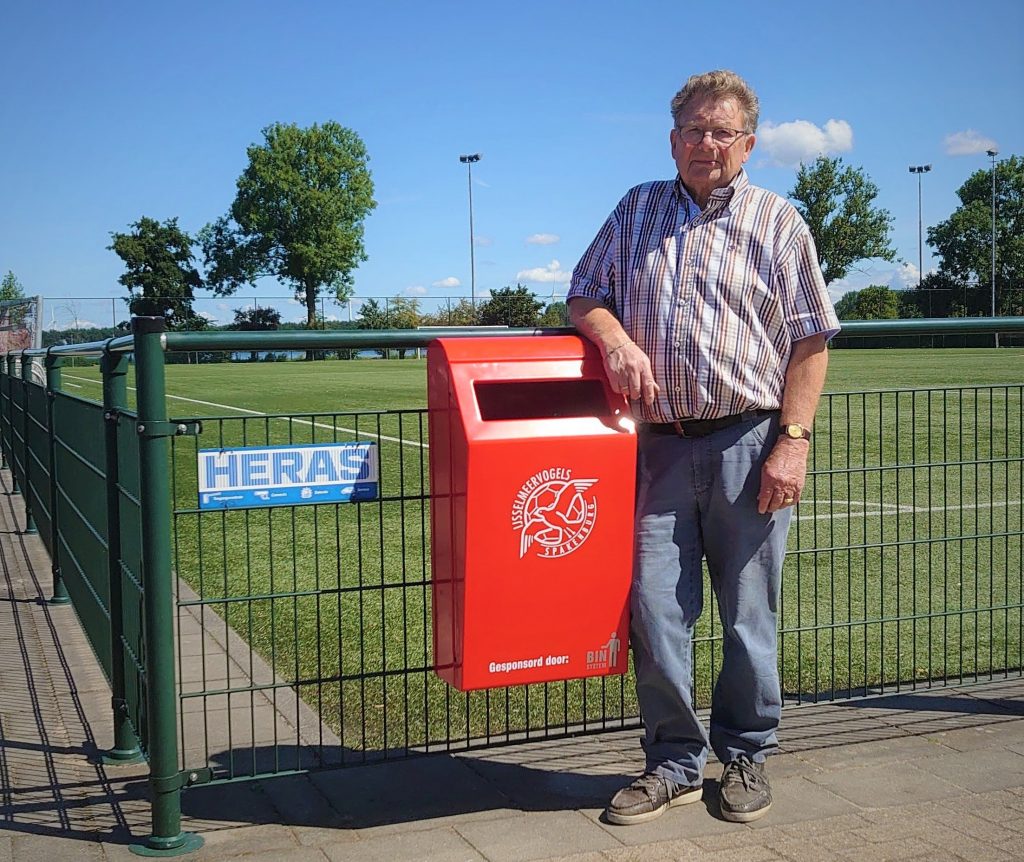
169, 429
186, 778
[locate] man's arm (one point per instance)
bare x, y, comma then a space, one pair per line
627, 366
785, 471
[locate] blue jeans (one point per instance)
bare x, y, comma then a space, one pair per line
697, 498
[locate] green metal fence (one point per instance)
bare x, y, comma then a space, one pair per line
261, 642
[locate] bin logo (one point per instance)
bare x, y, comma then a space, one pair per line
554, 513
605, 656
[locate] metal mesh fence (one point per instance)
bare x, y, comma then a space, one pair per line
904, 570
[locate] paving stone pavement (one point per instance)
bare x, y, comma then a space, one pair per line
917, 775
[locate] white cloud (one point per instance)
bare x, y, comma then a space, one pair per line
206, 315
83, 324
483, 241
416, 290
789, 144
552, 273
543, 238
904, 277
451, 281
967, 143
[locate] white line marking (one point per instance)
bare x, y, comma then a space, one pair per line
901, 510
353, 431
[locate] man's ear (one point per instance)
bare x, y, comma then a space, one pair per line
748, 146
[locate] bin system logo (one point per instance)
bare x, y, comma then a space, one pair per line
605, 656
554, 513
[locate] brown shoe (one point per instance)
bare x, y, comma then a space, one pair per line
646, 798
745, 793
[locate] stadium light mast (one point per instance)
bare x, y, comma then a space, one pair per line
468, 160
992, 155
920, 169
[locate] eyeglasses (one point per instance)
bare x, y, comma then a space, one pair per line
722, 137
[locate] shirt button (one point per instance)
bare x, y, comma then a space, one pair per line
679, 389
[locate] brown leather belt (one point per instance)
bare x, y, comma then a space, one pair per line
703, 427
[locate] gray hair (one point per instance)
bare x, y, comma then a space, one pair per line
720, 84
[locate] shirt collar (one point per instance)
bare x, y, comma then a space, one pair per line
720, 198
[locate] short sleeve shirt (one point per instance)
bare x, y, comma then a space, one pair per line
715, 298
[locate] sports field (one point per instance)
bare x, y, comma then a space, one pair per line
904, 565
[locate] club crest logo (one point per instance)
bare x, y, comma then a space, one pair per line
554, 513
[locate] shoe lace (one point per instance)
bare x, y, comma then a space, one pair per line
742, 770
650, 783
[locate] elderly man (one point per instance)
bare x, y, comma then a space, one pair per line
705, 297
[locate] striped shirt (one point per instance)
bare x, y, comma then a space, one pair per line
715, 298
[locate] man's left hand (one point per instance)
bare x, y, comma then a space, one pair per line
783, 475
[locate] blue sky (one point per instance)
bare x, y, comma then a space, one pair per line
111, 111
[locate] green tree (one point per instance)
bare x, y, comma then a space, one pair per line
846, 308
837, 203
297, 216
403, 313
964, 240
372, 316
11, 288
255, 319
160, 275
556, 314
877, 302
463, 313
511, 306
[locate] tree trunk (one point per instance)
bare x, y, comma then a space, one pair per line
310, 314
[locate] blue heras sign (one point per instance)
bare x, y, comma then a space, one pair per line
287, 475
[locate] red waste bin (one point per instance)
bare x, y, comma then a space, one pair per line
532, 470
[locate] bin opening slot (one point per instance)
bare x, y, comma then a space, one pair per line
540, 399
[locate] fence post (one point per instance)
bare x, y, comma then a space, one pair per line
5, 394
53, 364
165, 780
26, 379
12, 380
10, 420
114, 368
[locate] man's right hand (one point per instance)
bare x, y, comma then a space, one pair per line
629, 372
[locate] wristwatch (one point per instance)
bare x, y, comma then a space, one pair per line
795, 431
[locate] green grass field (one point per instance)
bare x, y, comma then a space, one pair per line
904, 565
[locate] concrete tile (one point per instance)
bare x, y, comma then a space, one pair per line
690, 821
248, 839
50, 848
798, 799
661, 851
892, 851
319, 836
435, 845
856, 755
299, 854
410, 790
979, 770
885, 785
538, 788
536, 836
1001, 734
802, 850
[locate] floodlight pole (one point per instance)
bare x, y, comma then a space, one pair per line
992, 155
920, 169
468, 160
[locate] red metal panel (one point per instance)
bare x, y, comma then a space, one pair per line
532, 464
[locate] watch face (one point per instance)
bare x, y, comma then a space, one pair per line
794, 431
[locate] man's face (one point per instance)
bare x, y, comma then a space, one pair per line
707, 165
